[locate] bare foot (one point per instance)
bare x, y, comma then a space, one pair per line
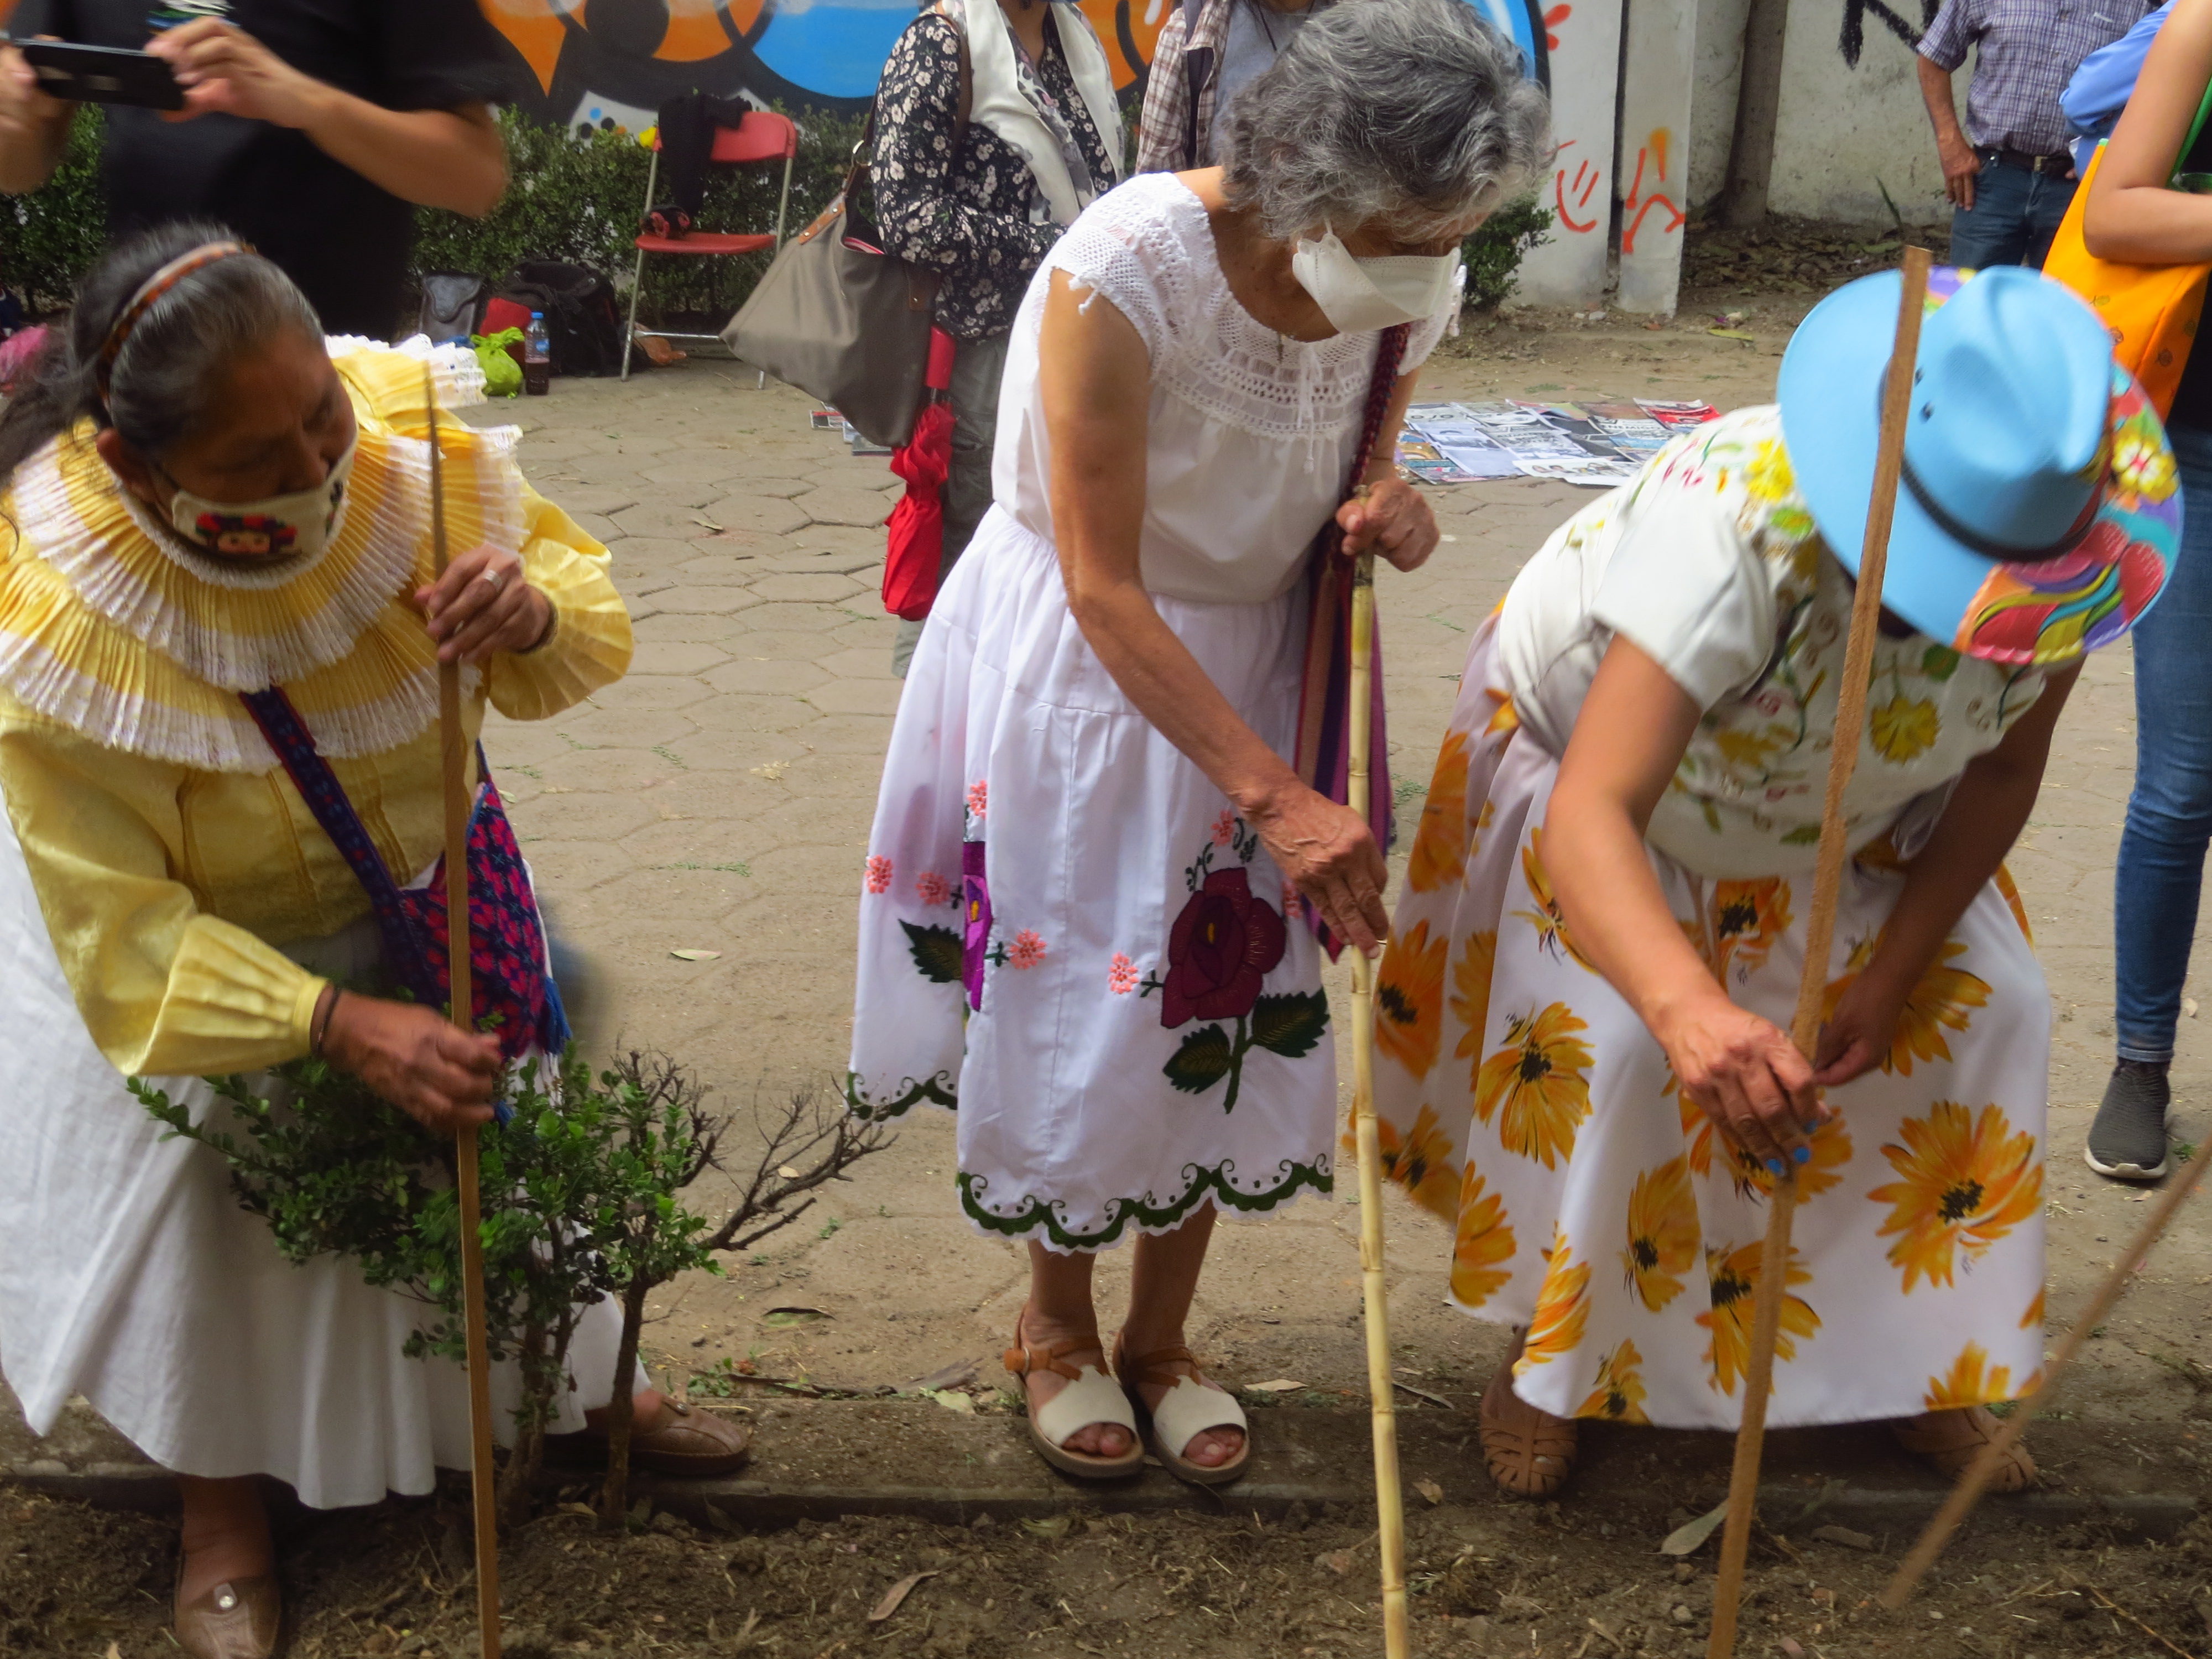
1033, 1330
1209, 1448
226, 1534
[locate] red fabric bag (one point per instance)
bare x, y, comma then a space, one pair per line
915, 555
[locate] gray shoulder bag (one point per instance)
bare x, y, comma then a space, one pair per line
841, 318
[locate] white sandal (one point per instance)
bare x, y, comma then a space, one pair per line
1190, 1408
1090, 1397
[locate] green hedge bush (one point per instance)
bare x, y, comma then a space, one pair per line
577, 195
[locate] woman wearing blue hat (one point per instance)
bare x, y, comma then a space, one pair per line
1585, 1071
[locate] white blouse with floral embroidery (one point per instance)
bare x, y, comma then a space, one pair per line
1709, 563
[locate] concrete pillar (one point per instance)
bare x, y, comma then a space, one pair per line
1585, 56
1660, 68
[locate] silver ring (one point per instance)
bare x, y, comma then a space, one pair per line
496, 578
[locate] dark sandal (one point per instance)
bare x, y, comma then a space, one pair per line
1090, 1397
1525, 1462
1952, 1441
1190, 1408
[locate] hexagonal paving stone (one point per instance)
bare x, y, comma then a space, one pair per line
743, 712
662, 657
752, 753
863, 662
589, 498
574, 867
691, 626
824, 588
853, 696
737, 569
583, 814
705, 843
621, 728
598, 527
782, 644
696, 468
832, 872
859, 507
836, 539
655, 691
761, 514
777, 677
850, 734
787, 619
785, 487
666, 520
613, 769
828, 559
704, 601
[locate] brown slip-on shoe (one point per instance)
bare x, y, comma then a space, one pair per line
241, 1619
1952, 1441
691, 1443
1530, 1452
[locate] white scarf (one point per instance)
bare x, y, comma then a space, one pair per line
1000, 105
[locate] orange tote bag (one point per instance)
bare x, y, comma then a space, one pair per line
2152, 310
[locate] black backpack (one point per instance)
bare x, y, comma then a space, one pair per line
583, 325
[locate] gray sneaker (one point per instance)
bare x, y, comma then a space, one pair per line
2128, 1140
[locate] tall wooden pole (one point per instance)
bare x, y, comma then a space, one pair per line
454, 752
1389, 1502
1820, 938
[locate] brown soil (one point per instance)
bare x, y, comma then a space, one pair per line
1489, 1578
1792, 256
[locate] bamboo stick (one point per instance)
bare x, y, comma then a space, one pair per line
1389, 1501
1975, 1481
1819, 939
454, 753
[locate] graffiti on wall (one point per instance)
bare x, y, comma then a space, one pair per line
1652, 191
612, 62
1855, 15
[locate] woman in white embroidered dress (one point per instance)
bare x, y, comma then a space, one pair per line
1086, 823
1583, 1066
204, 499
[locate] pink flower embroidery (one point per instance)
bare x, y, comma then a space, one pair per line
1224, 828
1026, 952
932, 888
979, 798
880, 873
1120, 976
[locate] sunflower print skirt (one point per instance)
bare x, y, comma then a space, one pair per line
1525, 1105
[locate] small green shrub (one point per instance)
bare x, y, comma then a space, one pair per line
50, 237
1494, 252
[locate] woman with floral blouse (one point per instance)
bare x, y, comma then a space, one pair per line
996, 123
1583, 1071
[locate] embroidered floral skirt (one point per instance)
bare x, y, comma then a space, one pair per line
1067, 934
1527, 1107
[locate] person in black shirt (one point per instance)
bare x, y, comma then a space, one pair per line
311, 128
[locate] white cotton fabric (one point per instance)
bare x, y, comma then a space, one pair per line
999, 104
1251, 433
1094, 830
129, 1275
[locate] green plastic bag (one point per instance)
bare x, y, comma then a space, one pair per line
502, 374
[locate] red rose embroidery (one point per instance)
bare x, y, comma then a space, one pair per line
1222, 947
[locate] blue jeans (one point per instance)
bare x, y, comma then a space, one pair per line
2161, 868
2015, 216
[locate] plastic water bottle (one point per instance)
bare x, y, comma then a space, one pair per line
537, 358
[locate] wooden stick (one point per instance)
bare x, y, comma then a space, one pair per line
454, 751
1819, 939
1390, 1500
1976, 1481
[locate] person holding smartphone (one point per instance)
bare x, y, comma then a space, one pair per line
313, 128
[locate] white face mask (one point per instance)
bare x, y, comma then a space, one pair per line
293, 525
1359, 295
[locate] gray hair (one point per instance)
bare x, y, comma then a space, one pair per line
171, 370
1415, 112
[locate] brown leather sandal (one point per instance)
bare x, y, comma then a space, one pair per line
241, 1620
1953, 1440
1090, 1396
1190, 1407
1530, 1452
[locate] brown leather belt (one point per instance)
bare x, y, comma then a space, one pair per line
2057, 165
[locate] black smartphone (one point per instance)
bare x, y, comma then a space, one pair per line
101, 75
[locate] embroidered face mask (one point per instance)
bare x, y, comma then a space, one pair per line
300, 523
1358, 295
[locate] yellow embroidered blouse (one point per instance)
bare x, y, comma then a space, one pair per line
171, 856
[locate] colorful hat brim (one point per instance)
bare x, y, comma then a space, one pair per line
2045, 613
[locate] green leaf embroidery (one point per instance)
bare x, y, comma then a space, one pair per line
1202, 1061
1939, 662
1289, 1025
1805, 834
936, 952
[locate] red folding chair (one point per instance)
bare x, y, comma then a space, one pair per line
763, 136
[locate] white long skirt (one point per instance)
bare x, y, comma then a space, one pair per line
129, 1275
1067, 932
1525, 1105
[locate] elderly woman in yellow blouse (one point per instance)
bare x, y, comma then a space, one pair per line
209, 500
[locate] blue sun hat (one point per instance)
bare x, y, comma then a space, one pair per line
2039, 511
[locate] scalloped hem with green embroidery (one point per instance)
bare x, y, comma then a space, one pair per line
938, 1091
1217, 1183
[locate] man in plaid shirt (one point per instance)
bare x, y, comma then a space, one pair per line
1205, 52
2008, 173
